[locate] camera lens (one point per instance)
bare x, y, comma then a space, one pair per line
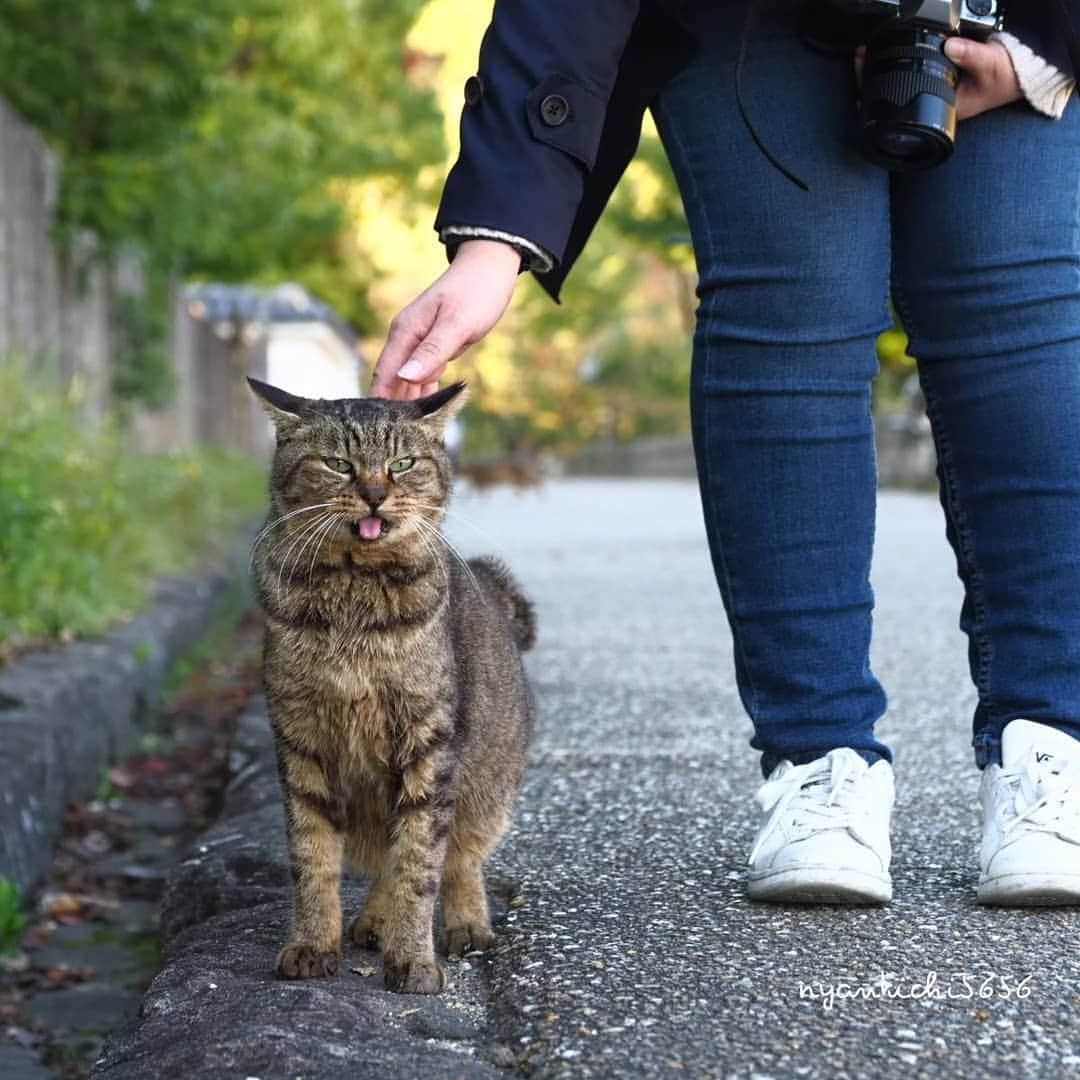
901, 144
908, 102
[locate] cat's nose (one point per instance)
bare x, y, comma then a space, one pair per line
373, 496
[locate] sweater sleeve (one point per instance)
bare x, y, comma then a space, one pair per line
1046, 88
532, 122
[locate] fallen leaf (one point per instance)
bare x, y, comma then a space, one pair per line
95, 842
67, 975
56, 904
14, 962
121, 778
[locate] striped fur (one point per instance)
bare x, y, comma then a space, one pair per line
399, 705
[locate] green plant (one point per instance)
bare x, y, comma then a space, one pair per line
87, 523
12, 919
142, 373
156, 742
103, 789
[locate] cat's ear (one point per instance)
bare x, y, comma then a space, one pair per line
281, 406
440, 408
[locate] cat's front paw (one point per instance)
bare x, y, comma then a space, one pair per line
299, 960
472, 937
414, 977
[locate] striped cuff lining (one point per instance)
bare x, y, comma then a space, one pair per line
536, 258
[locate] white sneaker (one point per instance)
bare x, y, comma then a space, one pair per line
1030, 851
826, 837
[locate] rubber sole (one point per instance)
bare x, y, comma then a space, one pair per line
1030, 890
819, 885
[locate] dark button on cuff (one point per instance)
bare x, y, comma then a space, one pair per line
474, 90
554, 110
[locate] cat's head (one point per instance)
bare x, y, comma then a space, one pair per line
380, 466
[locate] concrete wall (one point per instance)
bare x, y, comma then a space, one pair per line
212, 402
226, 411
54, 308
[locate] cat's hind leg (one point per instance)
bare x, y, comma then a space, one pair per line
466, 918
366, 929
366, 850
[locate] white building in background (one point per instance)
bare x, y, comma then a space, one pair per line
309, 349
282, 335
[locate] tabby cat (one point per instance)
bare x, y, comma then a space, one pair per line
394, 682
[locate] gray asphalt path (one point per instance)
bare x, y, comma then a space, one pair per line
634, 952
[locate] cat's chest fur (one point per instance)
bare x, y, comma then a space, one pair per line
367, 665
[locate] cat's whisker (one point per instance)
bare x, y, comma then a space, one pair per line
292, 542
306, 531
432, 531
291, 514
459, 516
434, 553
266, 529
334, 521
312, 536
299, 558
328, 531
286, 539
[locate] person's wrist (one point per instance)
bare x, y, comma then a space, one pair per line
493, 253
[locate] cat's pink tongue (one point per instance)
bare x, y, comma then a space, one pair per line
370, 527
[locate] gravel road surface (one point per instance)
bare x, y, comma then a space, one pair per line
635, 952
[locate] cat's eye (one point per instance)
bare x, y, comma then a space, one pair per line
400, 464
337, 464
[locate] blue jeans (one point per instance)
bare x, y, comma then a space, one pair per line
982, 258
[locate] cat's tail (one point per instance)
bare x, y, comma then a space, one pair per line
515, 603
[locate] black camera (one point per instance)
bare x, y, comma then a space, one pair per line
907, 106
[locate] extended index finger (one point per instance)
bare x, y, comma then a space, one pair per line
407, 330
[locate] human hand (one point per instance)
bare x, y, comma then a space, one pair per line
988, 78
458, 309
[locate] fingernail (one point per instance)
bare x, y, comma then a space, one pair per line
412, 369
955, 48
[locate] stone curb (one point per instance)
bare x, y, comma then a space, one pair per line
66, 713
216, 1010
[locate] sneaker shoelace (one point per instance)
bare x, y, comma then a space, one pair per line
1046, 797
822, 794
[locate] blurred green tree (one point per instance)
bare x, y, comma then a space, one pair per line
212, 136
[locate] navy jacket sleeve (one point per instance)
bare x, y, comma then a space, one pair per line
1044, 30
534, 115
